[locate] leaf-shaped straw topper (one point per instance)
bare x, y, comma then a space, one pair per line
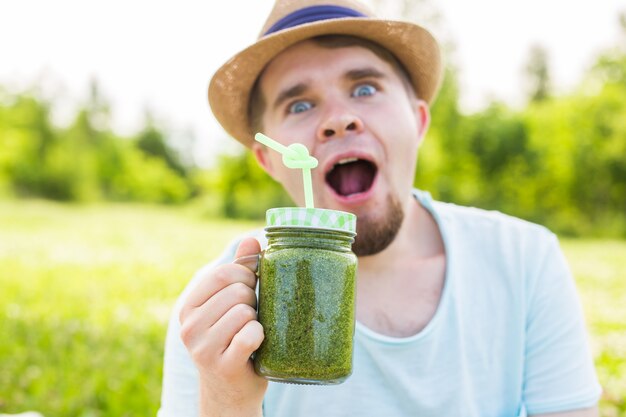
295, 156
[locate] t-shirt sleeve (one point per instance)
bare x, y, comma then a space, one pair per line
180, 391
559, 373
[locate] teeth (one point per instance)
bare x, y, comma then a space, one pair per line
346, 161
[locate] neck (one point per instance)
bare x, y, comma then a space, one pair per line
399, 289
417, 238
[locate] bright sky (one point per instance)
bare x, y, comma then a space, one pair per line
160, 54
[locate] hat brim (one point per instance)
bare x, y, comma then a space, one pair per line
232, 83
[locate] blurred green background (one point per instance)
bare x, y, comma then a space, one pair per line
560, 160
99, 232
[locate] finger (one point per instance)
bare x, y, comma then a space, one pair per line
220, 277
222, 332
209, 345
210, 312
244, 343
217, 279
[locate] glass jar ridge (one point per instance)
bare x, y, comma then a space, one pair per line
280, 237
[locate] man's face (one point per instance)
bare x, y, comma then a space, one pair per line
354, 114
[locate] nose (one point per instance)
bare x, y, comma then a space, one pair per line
338, 124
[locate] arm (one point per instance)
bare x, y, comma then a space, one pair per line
220, 331
559, 372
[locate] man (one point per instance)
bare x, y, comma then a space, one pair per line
460, 312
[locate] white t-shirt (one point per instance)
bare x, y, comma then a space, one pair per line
508, 337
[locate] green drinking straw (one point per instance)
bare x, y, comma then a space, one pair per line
295, 156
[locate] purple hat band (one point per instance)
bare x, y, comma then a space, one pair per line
312, 14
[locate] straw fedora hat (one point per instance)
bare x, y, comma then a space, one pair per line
292, 21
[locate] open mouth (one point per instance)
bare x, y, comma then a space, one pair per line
350, 176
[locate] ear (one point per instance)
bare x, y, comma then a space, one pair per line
422, 117
262, 157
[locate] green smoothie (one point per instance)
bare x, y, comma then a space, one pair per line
307, 305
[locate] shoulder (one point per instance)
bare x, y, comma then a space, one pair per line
479, 222
491, 236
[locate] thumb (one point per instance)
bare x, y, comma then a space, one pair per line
248, 246
247, 253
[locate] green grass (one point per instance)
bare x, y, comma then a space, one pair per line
86, 291
600, 271
85, 295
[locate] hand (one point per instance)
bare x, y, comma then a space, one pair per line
219, 327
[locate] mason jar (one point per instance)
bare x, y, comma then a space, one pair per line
307, 288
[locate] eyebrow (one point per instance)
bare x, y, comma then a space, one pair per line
290, 92
301, 88
369, 72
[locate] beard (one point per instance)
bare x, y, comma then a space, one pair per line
373, 234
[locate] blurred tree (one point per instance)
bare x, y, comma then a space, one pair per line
600, 131
29, 135
98, 112
537, 72
83, 152
496, 137
152, 141
244, 189
445, 165
86, 160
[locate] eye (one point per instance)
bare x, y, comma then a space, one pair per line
364, 90
300, 106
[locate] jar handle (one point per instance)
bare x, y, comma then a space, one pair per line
250, 261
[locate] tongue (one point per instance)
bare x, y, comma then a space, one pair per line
351, 178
